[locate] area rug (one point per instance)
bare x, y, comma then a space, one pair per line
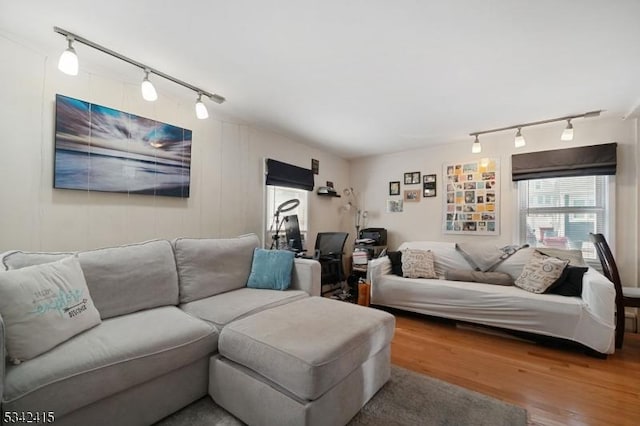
408, 398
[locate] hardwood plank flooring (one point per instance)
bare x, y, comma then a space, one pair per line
557, 384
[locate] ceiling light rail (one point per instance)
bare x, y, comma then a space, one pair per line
148, 87
519, 140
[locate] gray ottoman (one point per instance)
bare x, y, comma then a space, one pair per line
315, 361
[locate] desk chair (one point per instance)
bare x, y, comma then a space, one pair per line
329, 251
625, 296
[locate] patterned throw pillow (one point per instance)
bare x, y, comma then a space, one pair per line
43, 306
540, 272
418, 264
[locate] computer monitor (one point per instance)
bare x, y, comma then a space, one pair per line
292, 231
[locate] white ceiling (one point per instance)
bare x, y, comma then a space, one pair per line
364, 77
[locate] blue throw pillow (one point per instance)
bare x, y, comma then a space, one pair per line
271, 269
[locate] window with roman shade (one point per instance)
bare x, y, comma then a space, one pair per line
288, 175
565, 194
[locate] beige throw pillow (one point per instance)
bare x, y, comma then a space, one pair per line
43, 306
418, 264
540, 272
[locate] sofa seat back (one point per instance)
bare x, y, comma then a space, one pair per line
120, 279
447, 257
208, 266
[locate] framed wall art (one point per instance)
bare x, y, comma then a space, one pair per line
102, 149
394, 206
471, 204
412, 178
429, 185
394, 187
411, 195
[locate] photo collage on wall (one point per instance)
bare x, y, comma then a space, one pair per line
472, 191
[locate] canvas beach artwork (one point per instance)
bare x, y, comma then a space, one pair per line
102, 149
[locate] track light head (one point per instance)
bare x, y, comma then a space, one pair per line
476, 148
148, 91
68, 62
519, 141
201, 108
567, 133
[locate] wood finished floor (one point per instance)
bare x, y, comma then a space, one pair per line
557, 385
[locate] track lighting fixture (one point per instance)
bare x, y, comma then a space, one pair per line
567, 133
476, 148
148, 91
68, 64
201, 108
519, 141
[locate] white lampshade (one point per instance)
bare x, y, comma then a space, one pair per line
201, 110
476, 148
68, 62
148, 91
567, 133
519, 141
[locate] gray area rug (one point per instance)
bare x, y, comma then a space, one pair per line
408, 398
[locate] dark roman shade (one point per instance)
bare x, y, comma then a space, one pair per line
290, 176
580, 161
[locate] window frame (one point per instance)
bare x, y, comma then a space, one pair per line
606, 198
267, 216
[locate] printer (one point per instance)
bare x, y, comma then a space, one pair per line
373, 236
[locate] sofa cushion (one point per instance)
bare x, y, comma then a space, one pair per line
43, 306
540, 272
223, 308
130, 278
514, 264
570, 282
396, 262
271, 269
212, 266
469, 275
446, 256
19, 259
574, 257
119, 353
307, 346
418, 264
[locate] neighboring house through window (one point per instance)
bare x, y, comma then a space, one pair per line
561, 212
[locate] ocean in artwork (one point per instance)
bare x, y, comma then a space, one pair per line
102, 149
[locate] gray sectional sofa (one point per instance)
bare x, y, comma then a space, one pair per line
164, 306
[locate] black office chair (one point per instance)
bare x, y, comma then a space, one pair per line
625, 296
329, 251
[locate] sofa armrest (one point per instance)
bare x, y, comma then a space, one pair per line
377, 268
599, 296
306, 276
2, 359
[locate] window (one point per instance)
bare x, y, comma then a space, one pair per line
276, 195
560, 212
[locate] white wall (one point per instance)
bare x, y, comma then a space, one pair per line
423, 221
226, 174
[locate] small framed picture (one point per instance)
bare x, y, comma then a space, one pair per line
412, 178
429, 192
394, 187
411, 195
429, 185
394, 206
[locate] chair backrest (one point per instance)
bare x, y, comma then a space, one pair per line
331, 243
607, 261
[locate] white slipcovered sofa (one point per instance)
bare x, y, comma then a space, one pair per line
588, 320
